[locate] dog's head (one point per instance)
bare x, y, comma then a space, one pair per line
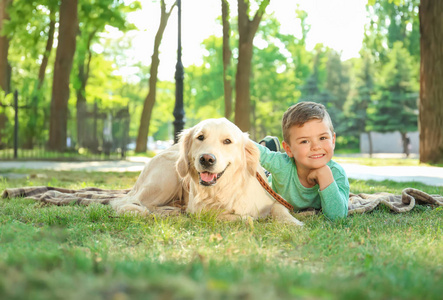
215, 149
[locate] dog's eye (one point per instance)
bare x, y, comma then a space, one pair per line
201, 137
227, 142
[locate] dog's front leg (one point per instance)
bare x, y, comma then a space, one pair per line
282, 214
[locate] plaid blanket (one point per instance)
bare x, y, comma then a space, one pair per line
61, 196
360, 203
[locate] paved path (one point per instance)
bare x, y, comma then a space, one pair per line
428, 175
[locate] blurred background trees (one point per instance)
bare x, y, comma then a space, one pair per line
263, 70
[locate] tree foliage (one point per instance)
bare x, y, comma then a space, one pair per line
94, 17
395, 108
392, 21
150, 100
376, 91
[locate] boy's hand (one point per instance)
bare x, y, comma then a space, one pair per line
321, 176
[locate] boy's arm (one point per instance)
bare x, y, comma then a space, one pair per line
335, 198
270, 160
321, 176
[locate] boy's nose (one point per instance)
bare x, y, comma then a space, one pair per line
315, 146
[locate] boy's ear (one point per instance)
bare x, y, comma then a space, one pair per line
287, 149
333, 140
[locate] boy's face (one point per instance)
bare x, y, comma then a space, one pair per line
312, 144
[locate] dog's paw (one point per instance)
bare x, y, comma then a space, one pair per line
297, 222
133, 209
289, 219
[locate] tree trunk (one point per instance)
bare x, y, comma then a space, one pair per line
28, 142
4, 48
227, 54
5, 68
143, 131
246, 29
81, 110
371, 151
431, 77
62, 68
83, 138
48, 49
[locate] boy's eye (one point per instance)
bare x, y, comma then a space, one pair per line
323, 138
304, 142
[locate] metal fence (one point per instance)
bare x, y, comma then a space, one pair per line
107, 136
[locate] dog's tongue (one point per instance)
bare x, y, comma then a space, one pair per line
208, 177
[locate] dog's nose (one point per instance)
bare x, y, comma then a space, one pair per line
207, 160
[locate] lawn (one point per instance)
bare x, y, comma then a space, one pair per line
74, 252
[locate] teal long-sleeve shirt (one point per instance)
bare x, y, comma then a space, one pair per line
333, 200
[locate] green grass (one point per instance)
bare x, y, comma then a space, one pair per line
75, 252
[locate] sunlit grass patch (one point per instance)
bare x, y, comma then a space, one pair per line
90, 252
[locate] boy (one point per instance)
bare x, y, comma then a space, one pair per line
305, 175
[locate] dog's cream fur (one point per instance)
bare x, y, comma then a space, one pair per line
174, 175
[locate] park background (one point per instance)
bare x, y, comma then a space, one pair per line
90, 252
112, 85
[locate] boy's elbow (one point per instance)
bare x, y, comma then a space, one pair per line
343, 216
338, 215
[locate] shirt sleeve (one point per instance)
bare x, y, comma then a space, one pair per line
270, 160
335, 198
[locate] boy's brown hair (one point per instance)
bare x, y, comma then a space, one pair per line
302, 112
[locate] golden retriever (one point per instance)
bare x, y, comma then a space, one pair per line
212, 168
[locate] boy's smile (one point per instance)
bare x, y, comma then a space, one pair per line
312, 145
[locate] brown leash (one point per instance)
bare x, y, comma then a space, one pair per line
276, 196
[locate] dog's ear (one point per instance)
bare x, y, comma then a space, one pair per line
252, 155
183, 162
